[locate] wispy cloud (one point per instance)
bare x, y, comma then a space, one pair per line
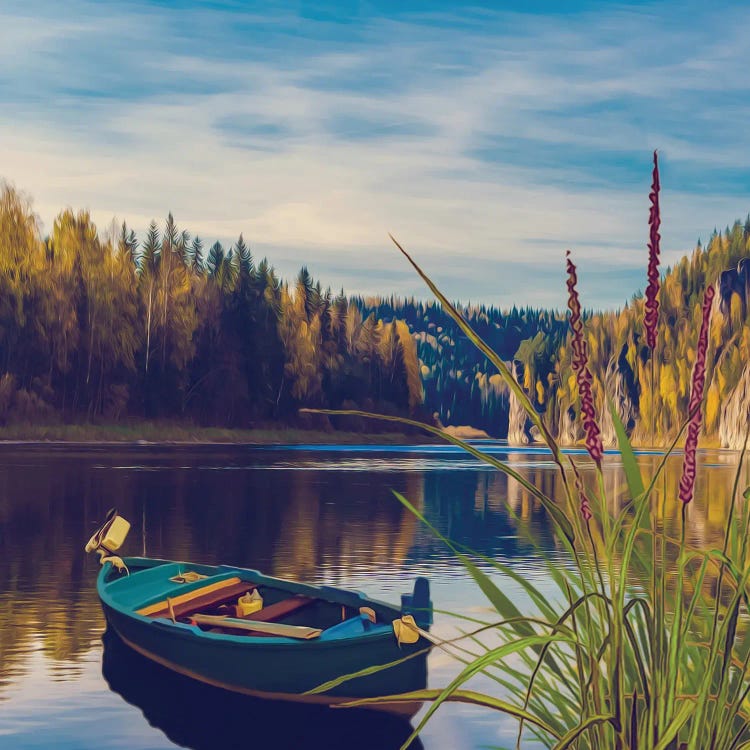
489, 142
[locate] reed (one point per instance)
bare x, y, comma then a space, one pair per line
651, 318
642, 652
651, 307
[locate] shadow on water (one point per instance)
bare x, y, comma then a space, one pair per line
202, 717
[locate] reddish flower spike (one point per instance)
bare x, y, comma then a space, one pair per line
585, 506
687, 480
581, 368
652, 291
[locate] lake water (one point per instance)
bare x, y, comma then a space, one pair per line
325, 515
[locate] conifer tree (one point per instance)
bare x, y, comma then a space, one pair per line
196, 256
128, 244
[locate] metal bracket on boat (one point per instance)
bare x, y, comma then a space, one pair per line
117, 562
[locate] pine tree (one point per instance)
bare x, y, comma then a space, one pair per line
127, 245
244, 261
196, 257
215, 259
149, 263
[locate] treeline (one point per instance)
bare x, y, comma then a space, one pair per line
166, 327
112, 326
460, 386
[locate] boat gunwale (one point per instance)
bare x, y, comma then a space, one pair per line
194, 633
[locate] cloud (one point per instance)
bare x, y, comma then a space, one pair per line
488, 143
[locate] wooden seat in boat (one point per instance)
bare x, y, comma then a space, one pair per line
270, 614
198, 599
276, 611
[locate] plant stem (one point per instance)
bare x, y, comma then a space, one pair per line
653, 399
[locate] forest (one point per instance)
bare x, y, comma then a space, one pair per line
459, 384
461, 387
102, 325
108, 326
651, 389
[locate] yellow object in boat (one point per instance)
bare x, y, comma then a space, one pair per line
249, 603
406, 630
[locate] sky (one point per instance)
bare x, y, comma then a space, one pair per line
488, 139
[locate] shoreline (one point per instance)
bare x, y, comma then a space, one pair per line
154, 434
159, 434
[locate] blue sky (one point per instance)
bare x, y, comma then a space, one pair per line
488, 139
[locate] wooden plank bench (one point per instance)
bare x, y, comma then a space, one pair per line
201, 598
270, 614
231, 624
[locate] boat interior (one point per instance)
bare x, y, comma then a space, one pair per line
234, 602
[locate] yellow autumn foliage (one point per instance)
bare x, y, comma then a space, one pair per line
713, 404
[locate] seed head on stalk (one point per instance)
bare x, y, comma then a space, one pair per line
687, 480
585, 506
652, 290
581, 368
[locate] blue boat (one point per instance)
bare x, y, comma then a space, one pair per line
250, 633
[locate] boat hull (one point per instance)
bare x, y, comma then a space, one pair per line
205, 718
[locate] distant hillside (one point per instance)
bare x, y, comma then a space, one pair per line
460, 386
620, 359
463, 389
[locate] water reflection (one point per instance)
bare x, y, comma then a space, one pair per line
324, 517
203, 717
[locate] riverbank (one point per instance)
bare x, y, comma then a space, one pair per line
172, 433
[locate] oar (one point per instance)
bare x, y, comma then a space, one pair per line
270, 628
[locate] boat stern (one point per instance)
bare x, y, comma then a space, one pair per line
418, 603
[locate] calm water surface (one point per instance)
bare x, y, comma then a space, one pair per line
322, 515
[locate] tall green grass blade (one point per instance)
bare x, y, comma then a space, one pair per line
541, 600
695, 598
334, 683
496, 654
500, 601
459, 696
724, 674
630, 465
636, 647
558, 516
492, 356
672, 729
721, 644
567, 741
